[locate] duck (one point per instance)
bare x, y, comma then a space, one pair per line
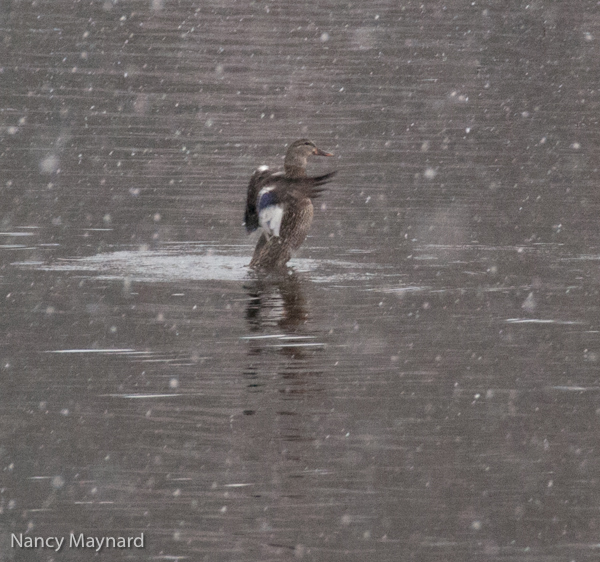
280, 203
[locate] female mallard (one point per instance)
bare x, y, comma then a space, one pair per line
280, 203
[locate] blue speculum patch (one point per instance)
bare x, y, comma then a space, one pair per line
266, 200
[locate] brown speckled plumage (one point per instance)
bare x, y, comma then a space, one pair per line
289, 193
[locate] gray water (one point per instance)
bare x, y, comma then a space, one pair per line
423, 384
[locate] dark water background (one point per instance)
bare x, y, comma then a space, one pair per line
425, 385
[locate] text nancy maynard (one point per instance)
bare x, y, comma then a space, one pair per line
19, 540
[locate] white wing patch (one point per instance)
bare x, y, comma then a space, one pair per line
270, 219
270, 216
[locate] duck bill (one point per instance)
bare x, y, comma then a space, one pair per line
319, 152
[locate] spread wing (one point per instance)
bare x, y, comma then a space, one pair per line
257, 182
269, 193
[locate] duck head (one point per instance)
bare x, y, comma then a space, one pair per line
297, 156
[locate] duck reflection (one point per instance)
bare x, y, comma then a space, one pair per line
285, 396
279, 340
276, 302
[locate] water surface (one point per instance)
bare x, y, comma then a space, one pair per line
422, 384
